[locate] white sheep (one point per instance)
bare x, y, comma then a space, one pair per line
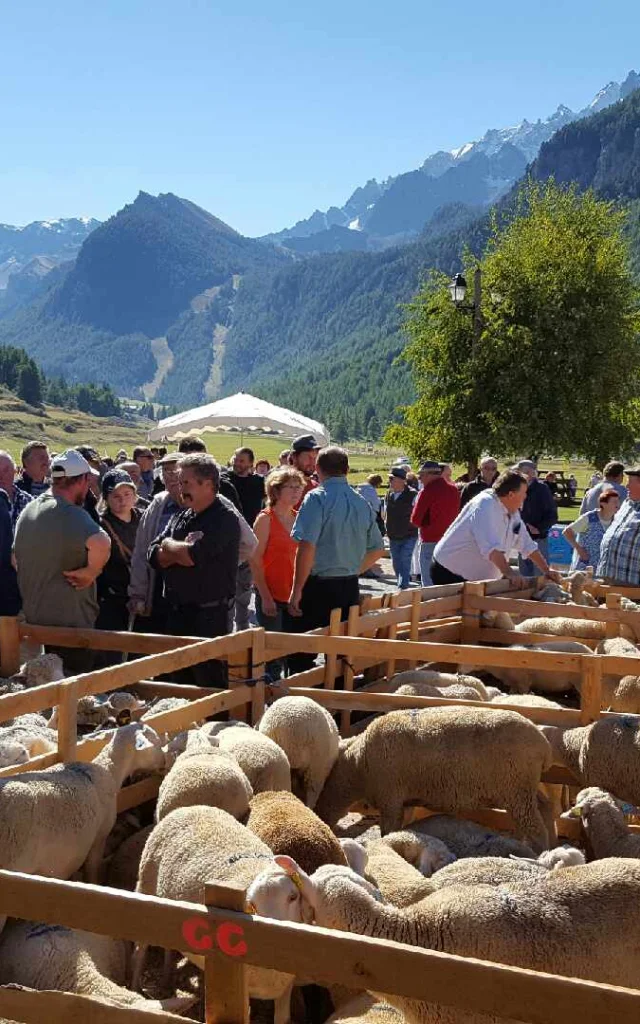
561, 925
525, 700
604, 754
53, 958
447, 758
398, 881
204, 775
604, 823
427, 853
420, 677
193, 846
45, 668
310, 739
620, 694
586, 629
264, 763
467, 839
58, 819
29, 732
365, 1009
12, 753
521, 680
453, 692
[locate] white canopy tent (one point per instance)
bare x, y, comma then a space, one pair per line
239, 413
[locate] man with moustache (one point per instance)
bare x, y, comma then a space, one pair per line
197, 556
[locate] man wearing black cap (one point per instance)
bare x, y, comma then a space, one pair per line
303, 455
437, 506
620, 549
398, 505
60, 551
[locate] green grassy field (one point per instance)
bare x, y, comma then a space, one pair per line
61, 429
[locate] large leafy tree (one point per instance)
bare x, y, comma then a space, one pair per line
556, 367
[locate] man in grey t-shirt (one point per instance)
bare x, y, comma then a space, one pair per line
60, 551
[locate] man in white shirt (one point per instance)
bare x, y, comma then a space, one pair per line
478, 543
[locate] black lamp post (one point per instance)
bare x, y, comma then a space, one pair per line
458, 290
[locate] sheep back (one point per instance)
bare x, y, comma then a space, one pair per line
289, 827
211, 778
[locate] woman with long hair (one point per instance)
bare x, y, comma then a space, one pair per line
272, 563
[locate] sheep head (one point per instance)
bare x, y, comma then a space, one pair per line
282, 891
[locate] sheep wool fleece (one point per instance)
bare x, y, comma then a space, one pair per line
446, 758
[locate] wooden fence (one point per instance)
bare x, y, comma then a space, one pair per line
231, 940
440, 625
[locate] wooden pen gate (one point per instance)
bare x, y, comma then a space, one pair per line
409, 628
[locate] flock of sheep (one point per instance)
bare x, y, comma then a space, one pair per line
264, 808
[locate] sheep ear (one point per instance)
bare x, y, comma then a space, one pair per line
287, 864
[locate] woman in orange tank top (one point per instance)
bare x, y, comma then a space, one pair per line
272, 563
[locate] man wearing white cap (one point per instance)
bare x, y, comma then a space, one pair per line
60, 551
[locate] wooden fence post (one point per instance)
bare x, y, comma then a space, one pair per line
392, 631
258, 667
347, 671
9, 645
331, 660
239, 669
471, 616
68, 720
414, 631
613, 603
590, 689
226, 994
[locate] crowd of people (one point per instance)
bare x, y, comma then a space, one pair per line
172, 543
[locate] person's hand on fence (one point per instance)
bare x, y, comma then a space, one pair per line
269, 607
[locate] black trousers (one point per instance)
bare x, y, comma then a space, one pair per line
321, 594
440, 575
193, 620
75, 660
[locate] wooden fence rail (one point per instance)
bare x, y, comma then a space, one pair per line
230, 941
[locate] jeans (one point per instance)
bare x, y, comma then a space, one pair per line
281, 622
401, 555
526, 566
426, 555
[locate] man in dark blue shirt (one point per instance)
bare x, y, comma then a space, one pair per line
539, 513
197, 556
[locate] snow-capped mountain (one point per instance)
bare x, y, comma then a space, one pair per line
476, 173
54, 240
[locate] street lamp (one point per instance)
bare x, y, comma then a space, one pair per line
458, 290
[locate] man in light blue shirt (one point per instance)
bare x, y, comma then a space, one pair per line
338, 539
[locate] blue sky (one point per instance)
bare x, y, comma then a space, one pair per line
265, 112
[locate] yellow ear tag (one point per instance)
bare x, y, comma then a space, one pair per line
576, 812
297, 881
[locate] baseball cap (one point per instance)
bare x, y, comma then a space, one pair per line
113, 479
71, 463
171, 457
430, 467
399, 471
633, 471
305, 443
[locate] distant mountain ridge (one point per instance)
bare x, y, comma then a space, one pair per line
53, 240
477, 173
